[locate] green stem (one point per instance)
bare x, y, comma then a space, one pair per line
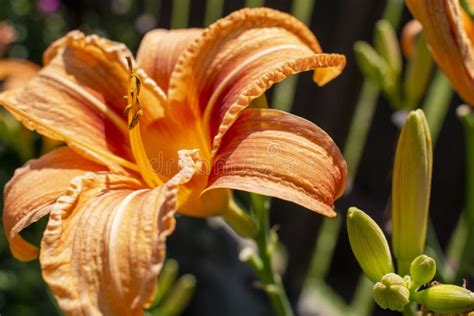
437, 103
180, 14
403, 267
271, 282
284, 94
410, 310
436, 106
213, 11
254, 3
239, 220
359, 128
362, 302
466, 259
367, 102
393, 12
354, 147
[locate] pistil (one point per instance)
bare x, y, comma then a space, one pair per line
134, 112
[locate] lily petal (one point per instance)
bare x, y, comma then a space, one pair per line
104, 244
32, 191
451, 46
239, 57
281, 155
16, 73
78, 98
159, 51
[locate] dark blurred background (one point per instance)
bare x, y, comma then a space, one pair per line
208, 251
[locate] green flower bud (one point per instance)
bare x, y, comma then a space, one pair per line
373, 66
179, 297
391, 292
387, 46
446, 298
418, 73
422, 270
368, 244
168, 276
411, 188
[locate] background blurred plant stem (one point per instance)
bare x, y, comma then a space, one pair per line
354, 147
465, 255
437, 103
436, 106
265, 245
361, 121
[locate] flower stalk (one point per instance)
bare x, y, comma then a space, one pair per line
467, 258
261, 261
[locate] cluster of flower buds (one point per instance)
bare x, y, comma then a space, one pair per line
382, 63
392, 291
410, 202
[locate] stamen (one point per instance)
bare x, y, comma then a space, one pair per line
133, 102
134, 112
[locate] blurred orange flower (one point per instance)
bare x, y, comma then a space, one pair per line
7, 36
14, 73
193, 133
450, 34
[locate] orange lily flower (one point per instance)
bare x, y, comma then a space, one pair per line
15, 73
450, 33
7, 36
192, 133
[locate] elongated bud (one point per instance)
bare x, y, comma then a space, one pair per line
371, 64
418, 74
368, 244
239, 220
411, 188
375, 68
179, 297
446, 298
168, 276
386, 43
422, 270
391, 292
410, 33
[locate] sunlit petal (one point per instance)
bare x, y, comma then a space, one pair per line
236, 60
159, 51
281, 155
78, 98
105, 242
32, 191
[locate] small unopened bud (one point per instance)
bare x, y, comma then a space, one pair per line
386, 43
422, 270
411, 188
391, 292
446, 298
368, 244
